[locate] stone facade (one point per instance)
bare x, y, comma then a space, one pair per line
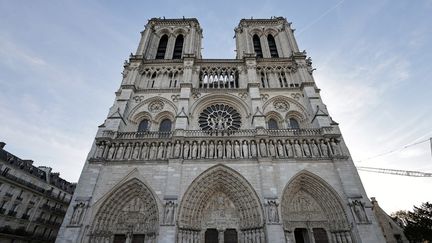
33, 200
219, 150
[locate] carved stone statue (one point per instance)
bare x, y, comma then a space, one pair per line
272, 150
186, 150
324, 149
315, 150
335, 147
169, 212
153, 151
228, 150
297, 149
280, 149
237, 152
100, 150
211, 150
194, 152
128, 151
245, 149
203, 149
289, 149
120, 151
168, 151
253, 149
220, 150
77, 213
273, 215
306, 149
177, 149
144, 151
263, 148
160, 153
359, 211
135, 154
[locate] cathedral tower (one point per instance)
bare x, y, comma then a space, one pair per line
219, 150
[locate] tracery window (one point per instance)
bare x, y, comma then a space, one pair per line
143, 126
178, 47
293, 123
163, 42
272, 46
257, 46
272, 124
219, 117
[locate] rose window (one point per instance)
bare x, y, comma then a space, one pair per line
219, 117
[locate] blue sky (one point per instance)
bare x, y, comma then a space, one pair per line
60, 64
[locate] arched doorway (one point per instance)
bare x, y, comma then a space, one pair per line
312, 212
220, 206
128, 214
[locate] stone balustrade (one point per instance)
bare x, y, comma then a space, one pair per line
240, 144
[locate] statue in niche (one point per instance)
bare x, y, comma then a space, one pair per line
272, 150
177, 149
253, 149
169, 151
128, 151
186, 150
273, 215
169, 212
99, 151
144, 151
203, 149
297, 149
335, 147
263, 148
220, 149
77, 214
153, 151
289, 149
194, 152
306, 149
135, 153
160, 153
211, 150
315, 151
280, 149
324, 148
228, 150
120, 150
245, 149
237, 152
359, 212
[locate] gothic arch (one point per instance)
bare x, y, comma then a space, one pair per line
203, 102
220, 179
132, 206
309, 201
141, 108
295, 106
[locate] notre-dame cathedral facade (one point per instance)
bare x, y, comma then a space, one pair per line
198, 150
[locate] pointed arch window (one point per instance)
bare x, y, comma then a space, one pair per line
143, 126
272, 124
272, 46
163, 42
165, 125
257, 46
294, 123
178, 47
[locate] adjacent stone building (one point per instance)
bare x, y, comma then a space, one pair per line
392, 231
33, 200
219, 150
